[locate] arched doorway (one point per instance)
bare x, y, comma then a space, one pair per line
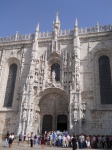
53, 109
47, 123
61, 122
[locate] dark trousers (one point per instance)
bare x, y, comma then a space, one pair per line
31, 143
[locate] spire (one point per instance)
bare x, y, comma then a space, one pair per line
76, 23
57, 18
16, 36
97, 27
36, 32
56, 23
76, 28
37, 28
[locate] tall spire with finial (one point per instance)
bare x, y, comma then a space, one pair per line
97, 27
76, 22
57, 18
76, 27
56, 23
37, 28
56, 26
76, 90
36, 32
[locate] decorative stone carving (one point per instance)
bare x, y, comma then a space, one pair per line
75, 116
25, 105
56, 103
53, 76
24, 115
36, 116
31, 118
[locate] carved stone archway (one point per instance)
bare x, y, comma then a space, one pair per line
54, 104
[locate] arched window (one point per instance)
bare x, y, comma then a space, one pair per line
10, 85
105, 80
56, 68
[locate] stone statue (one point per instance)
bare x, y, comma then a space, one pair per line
75, 115
53, 75
31, 117
77, 87
25, 105
36, 116
24, 89
24, 115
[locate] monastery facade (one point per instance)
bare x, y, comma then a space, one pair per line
59, 80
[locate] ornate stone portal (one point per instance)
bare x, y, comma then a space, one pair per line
53, 104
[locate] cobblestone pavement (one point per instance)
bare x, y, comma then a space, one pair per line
23, 146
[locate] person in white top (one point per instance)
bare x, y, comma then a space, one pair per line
10, 140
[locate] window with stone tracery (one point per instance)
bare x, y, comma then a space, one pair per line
10, 85
56, 68
105, 80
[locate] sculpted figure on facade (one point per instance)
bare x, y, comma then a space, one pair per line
53, 76
73, 81
24, 115
25, 105
36, 116
24, 89
31, 117
75, 115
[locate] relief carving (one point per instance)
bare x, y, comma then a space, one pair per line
53, 103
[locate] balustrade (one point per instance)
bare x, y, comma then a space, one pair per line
69, 32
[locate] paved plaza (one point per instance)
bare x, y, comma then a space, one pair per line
22, 146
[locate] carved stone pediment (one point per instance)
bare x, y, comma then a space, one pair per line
53, 84
55, 54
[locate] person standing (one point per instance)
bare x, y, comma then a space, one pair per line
10, 140
6, 139
20, 138
35, 140
74, 143
42, 142
31, 139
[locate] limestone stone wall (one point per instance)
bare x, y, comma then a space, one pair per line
98, 117
77, 52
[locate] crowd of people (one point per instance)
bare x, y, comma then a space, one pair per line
62, 139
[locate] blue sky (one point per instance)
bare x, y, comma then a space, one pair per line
24, 15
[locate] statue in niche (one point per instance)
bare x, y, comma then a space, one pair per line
73, 81
25, 104
65, 62
53, 75
75, 115
77, 87
31, 117
37, 106
36, 116
77, 77
24, 89
42, 66
24, 115
56, 69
